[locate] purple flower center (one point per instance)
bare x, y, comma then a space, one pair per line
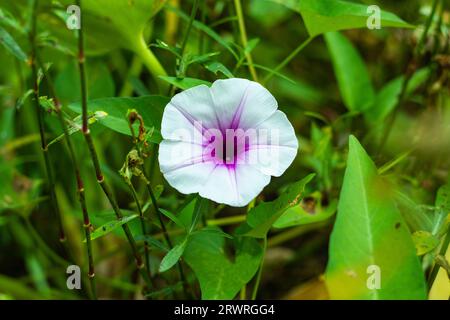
225, 148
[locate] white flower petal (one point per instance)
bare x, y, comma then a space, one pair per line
274, 155
234, 186
191, 106
183, 166
242, 102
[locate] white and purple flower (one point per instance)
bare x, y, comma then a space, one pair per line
225, 142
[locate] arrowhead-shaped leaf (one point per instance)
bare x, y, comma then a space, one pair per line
369, 231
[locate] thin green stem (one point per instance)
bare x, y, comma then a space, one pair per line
288, 59
261, 266
94, 157
244, 40
179, 71
189, 27
40, 117
155, 203
243, 293
143, 227
80, 184
424, 35
442, 252
227, 220
409, 74
201, 36
151, 62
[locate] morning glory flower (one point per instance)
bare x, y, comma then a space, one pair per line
225, 141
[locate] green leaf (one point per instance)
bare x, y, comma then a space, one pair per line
215, 231
387, 99
353, 79
75, 125
99, 82
11, 45
153, 242
185, 83
149, 107
172, 257
215, 67
220, 277
172, 217
110, 226
112, 24
321, 16
369, 231
261, 218
424, 242
300, 215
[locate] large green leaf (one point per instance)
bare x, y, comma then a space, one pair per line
321, 16
149, 107
261, 218
369, 231
353, 79
219, 277
112, 24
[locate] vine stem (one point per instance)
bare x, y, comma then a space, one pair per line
94, 157
423, 37
80, 184
40, 117
409, 74
189, 27
156, 207
178, 71
442, 252
144, 229
288, 59
244, 40
261, 266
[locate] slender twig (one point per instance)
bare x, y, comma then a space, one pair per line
143, 227
132, 117
424, 35
189, 27
288, 59
201, 36
442, 252
40, 117
94, 157
409, 74
80, 184
179, 71
261, 266
243, 32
